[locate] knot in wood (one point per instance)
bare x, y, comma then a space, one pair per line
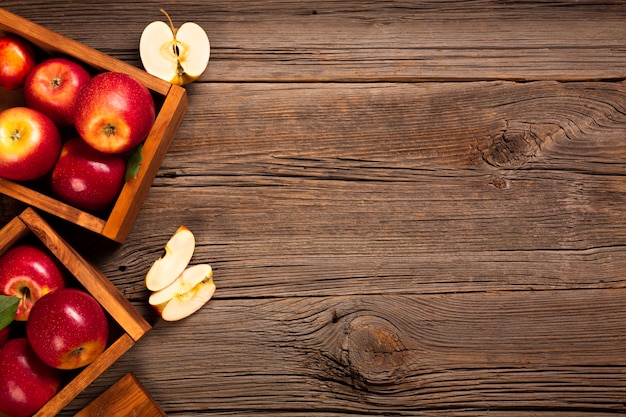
514, 146
373, 352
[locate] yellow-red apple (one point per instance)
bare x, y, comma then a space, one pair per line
17, 59
28, 272
67, 328
30, 144
52, 86
114, 112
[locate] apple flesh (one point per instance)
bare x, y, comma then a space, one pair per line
186, 295
30, 144
114, 112
17, 59
28, 272
26, 383
67, 329
87, 178
52, 86
176, 55
178, 252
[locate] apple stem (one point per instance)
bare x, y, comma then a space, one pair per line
170, 20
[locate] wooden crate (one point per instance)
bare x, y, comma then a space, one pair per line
127, 325
171, 103
127, 397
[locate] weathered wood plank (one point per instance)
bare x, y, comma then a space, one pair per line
453, 354
341, 189
384, 245
369, 41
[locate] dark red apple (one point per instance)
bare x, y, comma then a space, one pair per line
52, 86
86, 178
28, 272
29, 144
114, 112
67, 328
26, 383
17, 59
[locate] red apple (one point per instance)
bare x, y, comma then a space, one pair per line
67, 328
17, 59
114, 112
86, 178
4, 335
28, 272
26, 383
30, 144
52, 86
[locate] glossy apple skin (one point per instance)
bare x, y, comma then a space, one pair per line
17, 59
86, 178
114, 112
26, 383
28, 272
30, 144
52, 86
67, 328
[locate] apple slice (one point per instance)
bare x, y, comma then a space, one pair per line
176, 55
186, 295
178, 252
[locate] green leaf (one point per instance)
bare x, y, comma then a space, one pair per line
134, 162
8, 307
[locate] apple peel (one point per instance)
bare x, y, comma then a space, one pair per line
178, 252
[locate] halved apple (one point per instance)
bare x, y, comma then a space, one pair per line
176, 55
187, 294
178, 252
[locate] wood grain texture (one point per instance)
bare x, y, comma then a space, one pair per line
542, 352
410, 207
441, 185
369, 40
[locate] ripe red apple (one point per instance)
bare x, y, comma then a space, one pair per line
67, 328
17, 59
52, 86
86, 178
114, 112
28, 272
30, 144
26, 383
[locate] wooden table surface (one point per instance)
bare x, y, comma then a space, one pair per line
411, 208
